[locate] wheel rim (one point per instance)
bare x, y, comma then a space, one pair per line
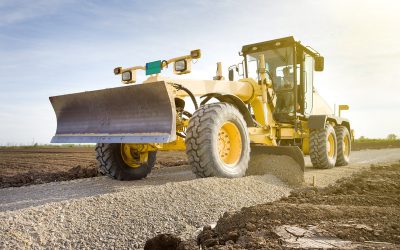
131, 156
229, 143
346, 146
330, 146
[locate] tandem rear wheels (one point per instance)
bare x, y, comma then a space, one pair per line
124, 161
330, 146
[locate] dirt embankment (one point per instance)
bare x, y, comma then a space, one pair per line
27, 166
362, 212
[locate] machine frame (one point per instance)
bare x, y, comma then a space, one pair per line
151, 116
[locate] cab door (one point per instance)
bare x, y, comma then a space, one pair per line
307, 78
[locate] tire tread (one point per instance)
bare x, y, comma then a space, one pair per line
198, 141
318, 154
341, 132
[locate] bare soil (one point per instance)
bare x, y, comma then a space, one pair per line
21, 166
35, 165
361, 212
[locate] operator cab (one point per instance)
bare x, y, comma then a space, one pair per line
290, 67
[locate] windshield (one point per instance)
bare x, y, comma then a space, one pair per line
279, 66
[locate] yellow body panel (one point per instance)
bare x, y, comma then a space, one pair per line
287, 133
177, 145
261, 136
305, 147
243, 90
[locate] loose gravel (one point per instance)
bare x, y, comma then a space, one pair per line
126, 219
102, 213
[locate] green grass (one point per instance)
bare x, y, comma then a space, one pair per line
363, 139
368, 143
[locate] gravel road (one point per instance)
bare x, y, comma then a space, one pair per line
99, 212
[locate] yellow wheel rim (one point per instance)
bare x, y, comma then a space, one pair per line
330, 146
229, 143
132, 156
346, 146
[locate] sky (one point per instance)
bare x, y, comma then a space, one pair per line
53, 47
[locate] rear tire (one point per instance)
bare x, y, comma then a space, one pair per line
323, 147
110, 163
343, 146
217, 141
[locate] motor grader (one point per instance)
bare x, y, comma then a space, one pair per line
221, 124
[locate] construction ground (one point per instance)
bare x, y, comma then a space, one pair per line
359, 211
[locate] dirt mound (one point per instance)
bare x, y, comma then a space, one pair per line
378, 187
38, 177
360, 212
169, 242
283, 167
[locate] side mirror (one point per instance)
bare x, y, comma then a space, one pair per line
319, 63
343, 107
231, 74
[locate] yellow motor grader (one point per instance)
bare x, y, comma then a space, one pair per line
273, 109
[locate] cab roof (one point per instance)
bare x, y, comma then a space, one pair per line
276, 43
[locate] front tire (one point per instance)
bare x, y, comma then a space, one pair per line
323, 147
112, 164
217, 141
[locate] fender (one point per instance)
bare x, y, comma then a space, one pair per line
234, 100
319, 121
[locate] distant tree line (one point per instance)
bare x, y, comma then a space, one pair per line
390, 137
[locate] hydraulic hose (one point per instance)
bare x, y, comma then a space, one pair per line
180, 87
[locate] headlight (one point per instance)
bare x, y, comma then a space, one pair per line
180, 66
127, 76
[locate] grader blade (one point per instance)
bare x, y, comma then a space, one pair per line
142, 113
286, 163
